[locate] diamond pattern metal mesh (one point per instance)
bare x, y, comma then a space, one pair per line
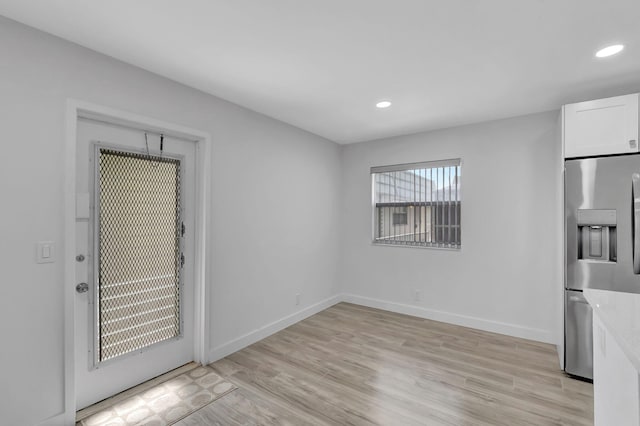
139, 251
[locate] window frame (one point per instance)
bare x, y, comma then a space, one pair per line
452, 162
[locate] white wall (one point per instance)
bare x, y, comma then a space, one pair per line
275, 207
280, 197
505, 277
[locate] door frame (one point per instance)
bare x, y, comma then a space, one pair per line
80, 109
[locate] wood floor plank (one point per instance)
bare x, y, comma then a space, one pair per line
353, 365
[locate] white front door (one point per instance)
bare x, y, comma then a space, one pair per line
136, 321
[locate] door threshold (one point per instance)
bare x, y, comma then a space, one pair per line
112, 400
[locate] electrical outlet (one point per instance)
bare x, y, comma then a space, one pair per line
416, 297
297, 299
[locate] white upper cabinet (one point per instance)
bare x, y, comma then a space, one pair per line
601, 127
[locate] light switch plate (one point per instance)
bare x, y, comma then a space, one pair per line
45, 252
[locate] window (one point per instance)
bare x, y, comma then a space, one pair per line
400, 218
417, 204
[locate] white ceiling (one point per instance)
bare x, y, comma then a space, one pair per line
322, 64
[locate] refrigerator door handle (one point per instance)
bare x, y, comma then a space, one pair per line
635, 221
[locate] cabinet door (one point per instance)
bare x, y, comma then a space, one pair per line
601, 127
615, 382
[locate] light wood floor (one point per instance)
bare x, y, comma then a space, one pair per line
351, 365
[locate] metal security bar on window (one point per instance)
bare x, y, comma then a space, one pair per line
138, 292
417, 204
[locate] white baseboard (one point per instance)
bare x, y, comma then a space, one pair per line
254, 336
241, 342
451, 318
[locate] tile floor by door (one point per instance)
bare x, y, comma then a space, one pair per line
351, 365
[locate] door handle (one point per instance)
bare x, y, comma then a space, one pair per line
635, 221
82, 288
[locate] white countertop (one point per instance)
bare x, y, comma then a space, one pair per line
620, 314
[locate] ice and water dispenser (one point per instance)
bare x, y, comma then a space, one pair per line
597, 235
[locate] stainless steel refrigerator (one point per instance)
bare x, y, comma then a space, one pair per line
602, 225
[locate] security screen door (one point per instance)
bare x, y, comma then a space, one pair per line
139, 255
136, 320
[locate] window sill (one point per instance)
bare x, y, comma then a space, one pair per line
374, 243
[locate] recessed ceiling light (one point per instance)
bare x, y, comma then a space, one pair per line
609, 50
383, 104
